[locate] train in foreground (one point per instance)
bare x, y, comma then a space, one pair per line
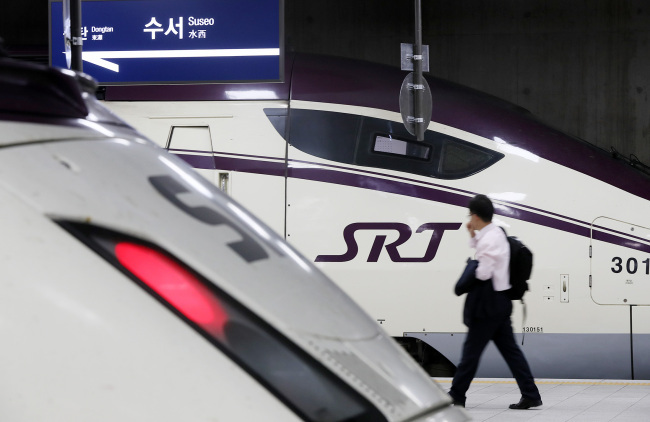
133, 289
324, 159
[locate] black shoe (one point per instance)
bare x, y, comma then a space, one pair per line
525, 403
456, 402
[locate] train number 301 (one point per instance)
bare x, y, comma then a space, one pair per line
631, 265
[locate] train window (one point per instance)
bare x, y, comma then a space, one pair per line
328, 135
380, 143
461, 159
390, 145
193, 138
278, 118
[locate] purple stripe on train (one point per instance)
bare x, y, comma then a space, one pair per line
277, 168
404, 188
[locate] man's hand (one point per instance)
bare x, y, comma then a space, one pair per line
470, 228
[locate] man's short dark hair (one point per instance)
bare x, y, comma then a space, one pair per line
482, 206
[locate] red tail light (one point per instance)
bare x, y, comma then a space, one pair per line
171, 281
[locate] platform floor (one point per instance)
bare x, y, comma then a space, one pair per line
564, 400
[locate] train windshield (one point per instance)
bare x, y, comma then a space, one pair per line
379, 143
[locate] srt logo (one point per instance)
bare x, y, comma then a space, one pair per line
437, 230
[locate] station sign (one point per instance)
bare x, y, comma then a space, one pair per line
172, 41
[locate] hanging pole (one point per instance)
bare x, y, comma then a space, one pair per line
417, 74
415, 101
76, 37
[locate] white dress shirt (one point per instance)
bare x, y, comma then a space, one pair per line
493, 255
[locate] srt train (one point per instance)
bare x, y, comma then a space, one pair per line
133, 289
325, 159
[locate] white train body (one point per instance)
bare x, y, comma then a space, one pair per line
324, 159
133, 289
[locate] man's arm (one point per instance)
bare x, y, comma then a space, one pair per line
487, 260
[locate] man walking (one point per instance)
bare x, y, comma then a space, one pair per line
488, 308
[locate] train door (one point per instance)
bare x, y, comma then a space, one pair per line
620, 263
620, 276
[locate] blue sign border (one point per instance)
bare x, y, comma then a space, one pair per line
162, 42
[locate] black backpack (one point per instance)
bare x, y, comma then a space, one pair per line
521, 265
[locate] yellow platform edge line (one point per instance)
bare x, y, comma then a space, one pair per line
552, 382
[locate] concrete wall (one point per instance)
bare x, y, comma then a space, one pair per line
581, 65
24, 25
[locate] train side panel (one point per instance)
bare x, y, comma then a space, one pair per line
393, 237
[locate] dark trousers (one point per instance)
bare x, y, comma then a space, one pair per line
481, 331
